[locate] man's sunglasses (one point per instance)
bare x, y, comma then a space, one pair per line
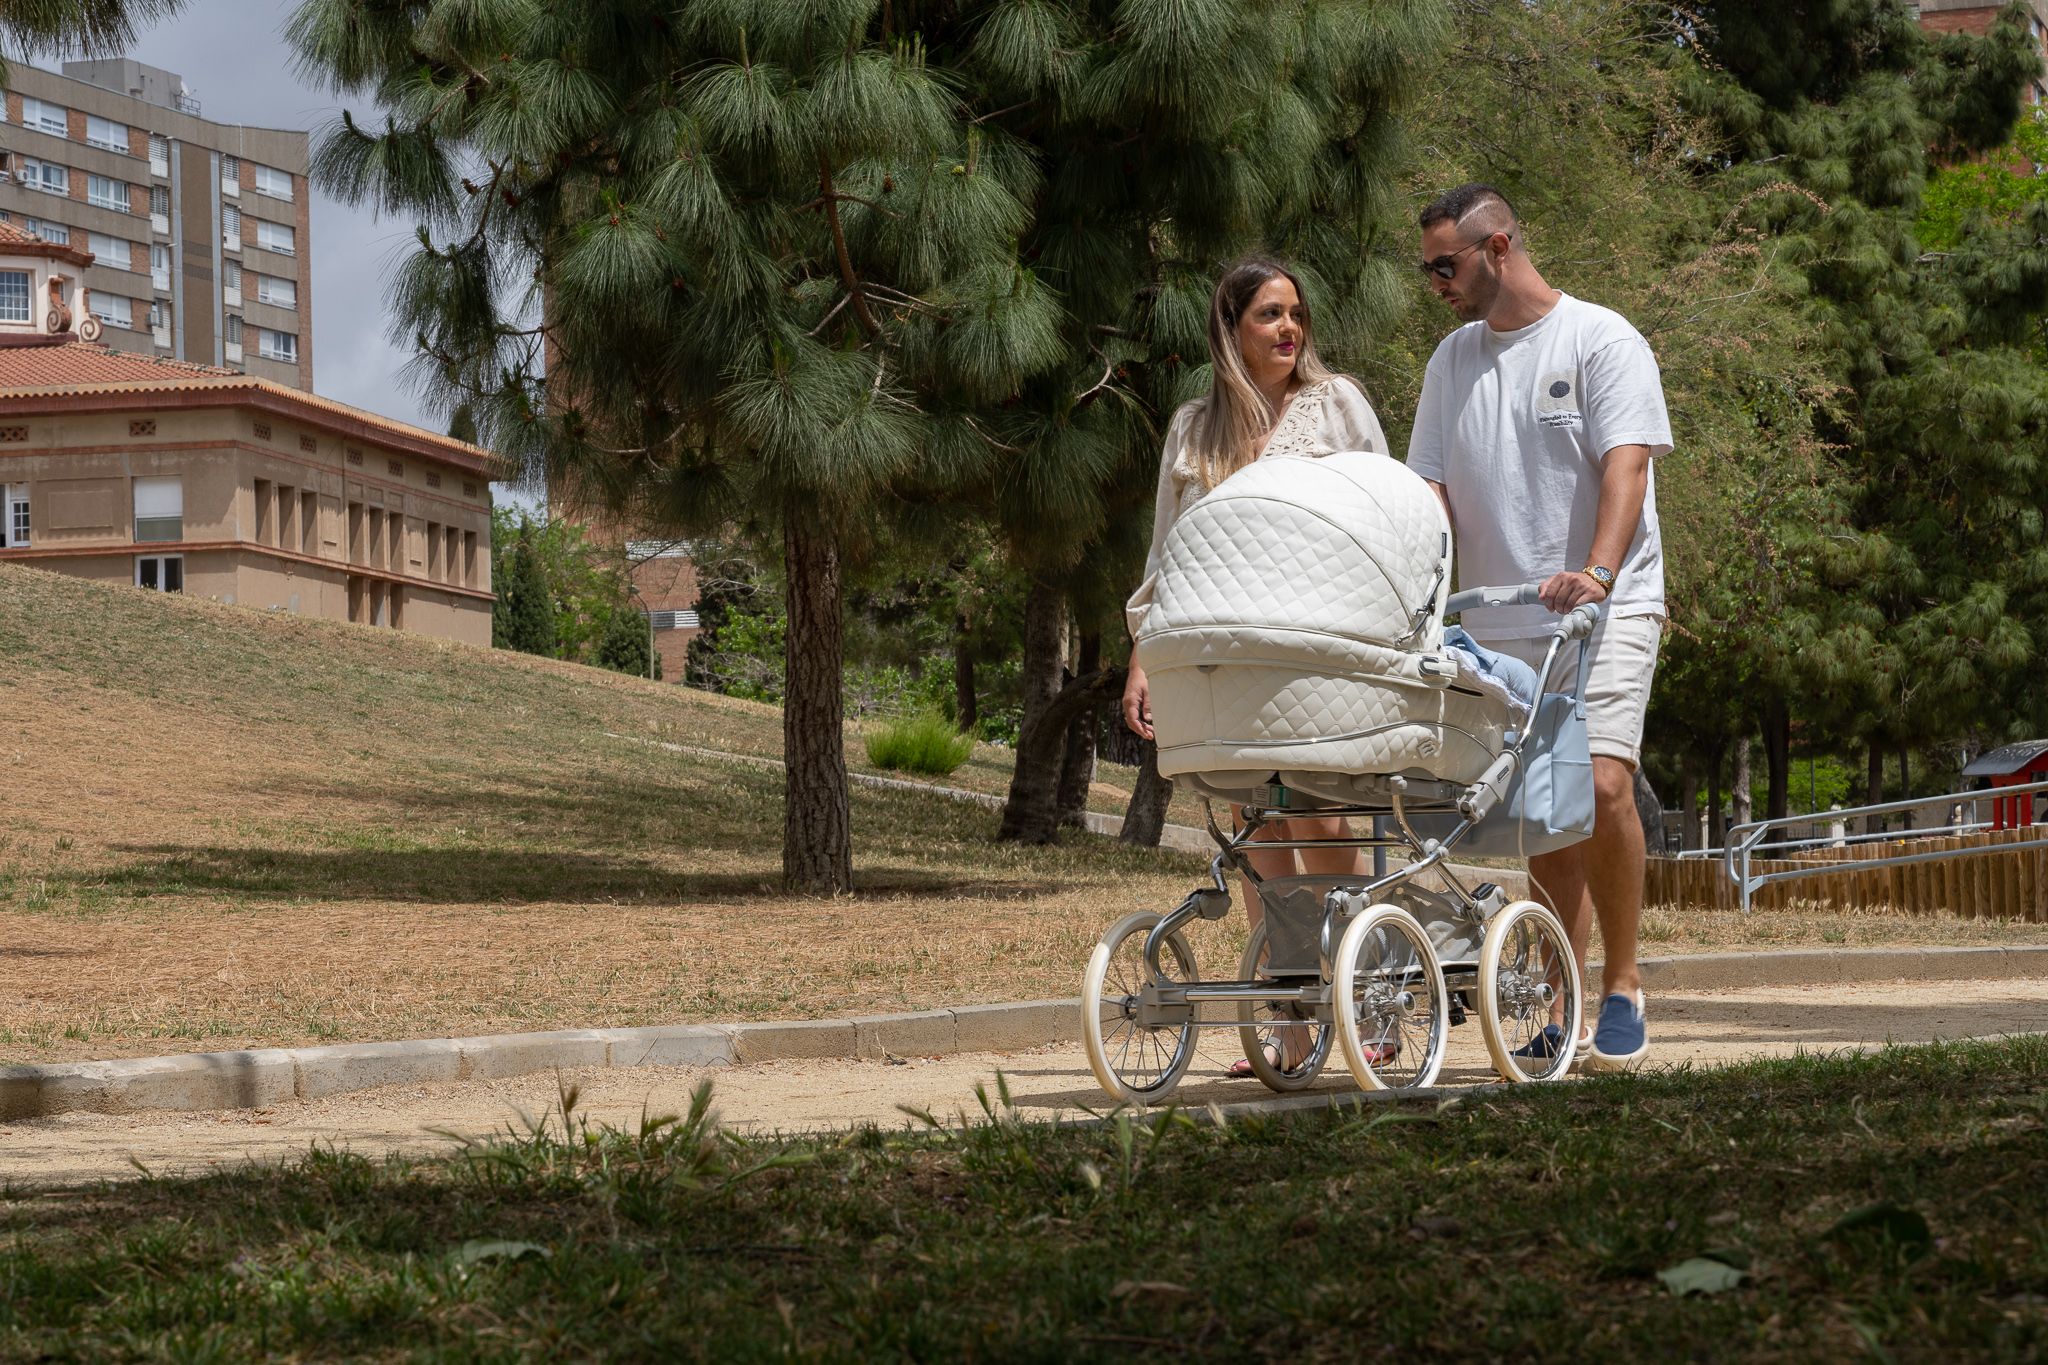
1446, 267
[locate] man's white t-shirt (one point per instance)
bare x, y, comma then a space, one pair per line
1517, 426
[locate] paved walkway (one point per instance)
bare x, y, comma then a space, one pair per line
1702, 1028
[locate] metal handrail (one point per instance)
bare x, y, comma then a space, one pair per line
1743, 839
1834, 841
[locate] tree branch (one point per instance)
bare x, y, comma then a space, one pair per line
846, 275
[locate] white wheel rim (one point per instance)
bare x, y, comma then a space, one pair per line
1419, 1024
1124, 1048
1519, 929
1311, 1068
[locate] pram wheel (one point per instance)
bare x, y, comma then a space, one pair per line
1261, 1028
1526, 970
1136, 1062
1387, 994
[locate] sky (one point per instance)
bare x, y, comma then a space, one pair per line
233, 57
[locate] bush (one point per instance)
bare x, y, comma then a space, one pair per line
922, 743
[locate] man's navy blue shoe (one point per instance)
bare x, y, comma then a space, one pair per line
1622, 1038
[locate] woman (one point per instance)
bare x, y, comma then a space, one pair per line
1270, 394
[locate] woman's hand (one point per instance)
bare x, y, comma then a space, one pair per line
1138, 704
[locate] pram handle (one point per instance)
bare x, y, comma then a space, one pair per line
1577, 624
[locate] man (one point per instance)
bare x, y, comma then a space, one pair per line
1538, 422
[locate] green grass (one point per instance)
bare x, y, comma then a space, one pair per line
925, 743
1884, 1206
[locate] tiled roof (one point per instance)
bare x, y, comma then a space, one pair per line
76, 369
17, 236
17, 239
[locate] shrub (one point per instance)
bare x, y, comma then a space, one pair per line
922, 743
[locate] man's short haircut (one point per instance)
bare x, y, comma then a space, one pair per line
1455, 206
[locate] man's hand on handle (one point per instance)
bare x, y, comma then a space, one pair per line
1138, 704
1563, 591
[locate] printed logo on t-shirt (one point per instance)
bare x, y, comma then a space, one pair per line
1557, 399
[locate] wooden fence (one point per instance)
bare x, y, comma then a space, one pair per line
1984, 886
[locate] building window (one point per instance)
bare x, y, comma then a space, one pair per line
160, 265
114, 310
15, 530
102, 132
231, 228
55, 233
106, 193
160, 573
110, 251
273, 182
276, 292
159, 202
673, 620
45, 117
235, 339
45, 176
231, 170
159, 153
159, 509
275, 237
277, 345
231, 277
14, 296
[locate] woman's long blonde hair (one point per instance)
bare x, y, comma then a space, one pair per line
1235, 415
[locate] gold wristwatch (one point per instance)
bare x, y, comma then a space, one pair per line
1600, 574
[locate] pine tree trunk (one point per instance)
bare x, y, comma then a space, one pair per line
1077, 767
1905, 787
1777, 764
1688, 805
1145, 816
1030, 817
1874, 789
1028, 814
1739, 797
817, 827
966, 713
1717, 819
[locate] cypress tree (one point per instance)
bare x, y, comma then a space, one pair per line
624, 647
529, 606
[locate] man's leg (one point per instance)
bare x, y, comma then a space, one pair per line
1615, 868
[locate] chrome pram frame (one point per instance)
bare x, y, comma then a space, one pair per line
1384, 966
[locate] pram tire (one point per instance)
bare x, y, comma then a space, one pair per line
1376, 928
1274, 1078
1136, 1065
1506, 1023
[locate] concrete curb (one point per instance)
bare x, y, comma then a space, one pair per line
262, 1078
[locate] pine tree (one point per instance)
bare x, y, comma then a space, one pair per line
94, 27
1933, 544
782, 251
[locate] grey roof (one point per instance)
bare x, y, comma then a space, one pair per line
2010, 758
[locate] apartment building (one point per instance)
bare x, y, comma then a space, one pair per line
176, 477
199, 231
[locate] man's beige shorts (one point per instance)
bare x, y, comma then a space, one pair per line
1621, 664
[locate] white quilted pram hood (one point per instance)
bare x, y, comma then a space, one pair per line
1294, 632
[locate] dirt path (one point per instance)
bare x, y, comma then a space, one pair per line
1699, 1028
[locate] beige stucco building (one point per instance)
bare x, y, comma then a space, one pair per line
189, 478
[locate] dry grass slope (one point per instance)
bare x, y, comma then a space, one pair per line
229, 828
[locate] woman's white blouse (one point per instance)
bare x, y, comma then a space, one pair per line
1325, 417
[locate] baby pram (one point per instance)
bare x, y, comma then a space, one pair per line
1295, 646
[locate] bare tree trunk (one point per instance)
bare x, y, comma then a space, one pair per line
1077, 767
1738, 798
1650, 812
1034, 780
1145, 816
817, 827
966, 713
1874, 790
1029, 815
